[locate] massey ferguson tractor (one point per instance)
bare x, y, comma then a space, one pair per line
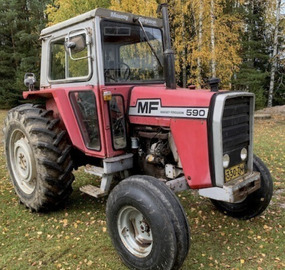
109, 102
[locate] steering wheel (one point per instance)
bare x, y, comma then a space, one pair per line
124, 75
127, 73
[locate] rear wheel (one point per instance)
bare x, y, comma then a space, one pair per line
38, 157
256, 202
147, 224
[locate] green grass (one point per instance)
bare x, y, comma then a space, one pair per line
76, 238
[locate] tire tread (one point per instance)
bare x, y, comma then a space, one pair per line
52, 155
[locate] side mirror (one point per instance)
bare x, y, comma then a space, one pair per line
75, 45
30, 80
70, 45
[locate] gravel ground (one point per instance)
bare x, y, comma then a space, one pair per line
274, 110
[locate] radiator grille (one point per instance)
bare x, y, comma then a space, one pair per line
236, 127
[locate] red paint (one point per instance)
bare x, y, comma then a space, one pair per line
178, 97
58, 101
190, 135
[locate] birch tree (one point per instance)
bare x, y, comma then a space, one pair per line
200, 39
274, 55
213, 47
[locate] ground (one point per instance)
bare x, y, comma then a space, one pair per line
75, 237
276, 110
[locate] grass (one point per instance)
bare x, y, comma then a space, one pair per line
76, 238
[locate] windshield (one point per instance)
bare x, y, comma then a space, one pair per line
127, 55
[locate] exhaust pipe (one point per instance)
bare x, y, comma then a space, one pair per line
168, 54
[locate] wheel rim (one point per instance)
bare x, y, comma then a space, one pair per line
22, 162
134, 231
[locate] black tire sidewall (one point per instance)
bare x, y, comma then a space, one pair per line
163, 250
256, 202
175, 212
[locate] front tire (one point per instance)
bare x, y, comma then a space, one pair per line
147, 224
256, 202
38, 157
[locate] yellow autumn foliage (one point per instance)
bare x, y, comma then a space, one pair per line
62, 10
143, 7
227, 39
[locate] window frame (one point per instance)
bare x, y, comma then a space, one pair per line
65, 37
142, 82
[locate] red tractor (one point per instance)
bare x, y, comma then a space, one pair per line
111, 105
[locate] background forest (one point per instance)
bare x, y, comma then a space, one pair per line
241, 42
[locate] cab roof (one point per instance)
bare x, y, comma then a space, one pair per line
103, 13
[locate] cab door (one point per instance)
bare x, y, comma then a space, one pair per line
114, 120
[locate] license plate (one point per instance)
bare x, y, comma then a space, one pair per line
234, 172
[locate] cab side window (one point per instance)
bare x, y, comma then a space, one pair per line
84, 106
118, 122
57, 60
70, 57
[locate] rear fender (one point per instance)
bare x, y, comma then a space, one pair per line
58, 101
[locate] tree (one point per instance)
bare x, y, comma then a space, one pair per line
212, 40
21, 22
200, 41
253, 74
145, 7
61, 10
275, 54
213, 46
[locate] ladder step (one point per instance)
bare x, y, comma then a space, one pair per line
98, 171
93, 191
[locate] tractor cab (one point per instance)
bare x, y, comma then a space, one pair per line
103, 47
93, 61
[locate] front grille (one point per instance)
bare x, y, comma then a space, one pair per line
236, 127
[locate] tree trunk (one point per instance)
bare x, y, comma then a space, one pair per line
184, 77
200, 37
274, 56
213, 54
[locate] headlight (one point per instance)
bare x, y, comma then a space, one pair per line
243, 154
226, 161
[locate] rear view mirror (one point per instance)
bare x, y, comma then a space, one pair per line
30, 80
76, 44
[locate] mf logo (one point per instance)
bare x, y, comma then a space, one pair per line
147, 106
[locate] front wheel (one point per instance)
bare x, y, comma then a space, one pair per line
147, 224
256, 202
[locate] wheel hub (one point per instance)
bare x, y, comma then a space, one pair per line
135, 231
22, 162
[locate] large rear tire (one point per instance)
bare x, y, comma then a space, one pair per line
256, 202
147, 224
38, 157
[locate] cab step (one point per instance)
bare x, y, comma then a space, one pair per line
98, 171
93, 191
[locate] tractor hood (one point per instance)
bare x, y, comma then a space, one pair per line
161, 104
